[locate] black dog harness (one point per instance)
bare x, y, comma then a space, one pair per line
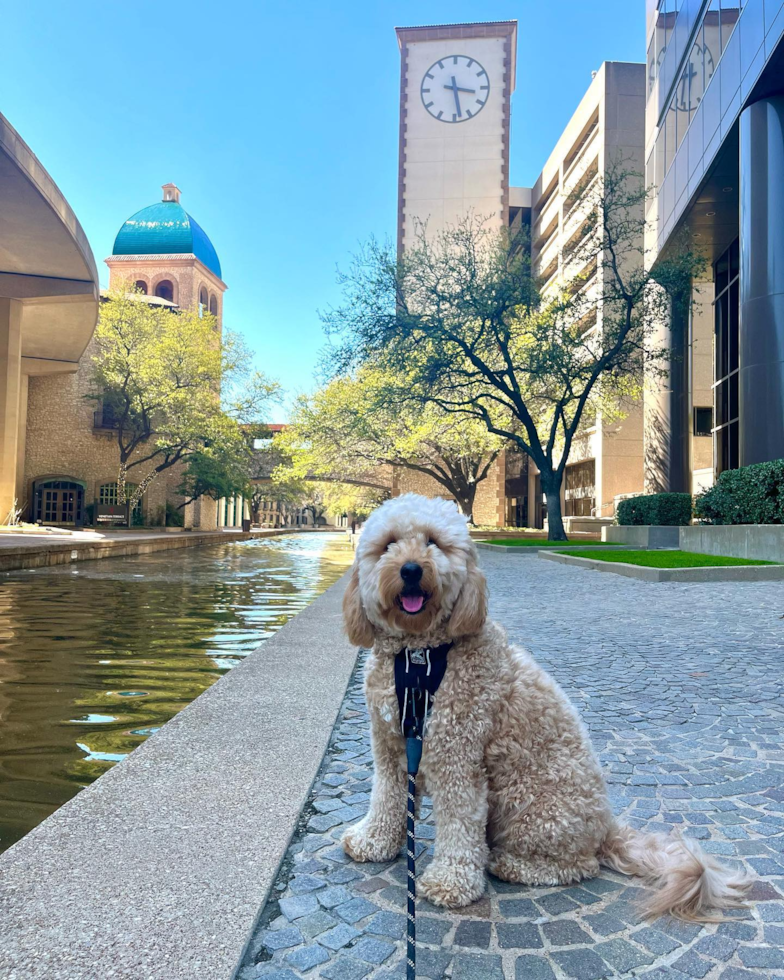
418, 675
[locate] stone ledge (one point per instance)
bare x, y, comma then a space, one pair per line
532, 550
157, 870
726, 573
40, 552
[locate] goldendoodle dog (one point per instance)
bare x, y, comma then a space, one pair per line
515, 783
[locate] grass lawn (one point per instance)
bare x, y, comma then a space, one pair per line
542, 543
664, 559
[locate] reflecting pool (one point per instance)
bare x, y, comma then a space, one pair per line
96, 656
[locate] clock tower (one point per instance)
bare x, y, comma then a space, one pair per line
456, 84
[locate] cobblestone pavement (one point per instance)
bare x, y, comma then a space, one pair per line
681, 687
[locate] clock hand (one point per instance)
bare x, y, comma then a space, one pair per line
455, 90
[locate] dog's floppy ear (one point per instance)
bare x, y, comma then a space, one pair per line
358, 626
470, 610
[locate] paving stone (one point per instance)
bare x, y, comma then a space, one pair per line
431, 930
518, 935
759, 956
582, 964
373, 950
557, 904
477, 966
656, 941
473, 933
369, 885
693, 965
306, 883
306, 957
565, 932
717, 947
391, 924
601, 886
734, 973
604, 924
282, 939
323, 821
298, 905
338, 937
518, 908
356, 909
336, 895
345, 968
314, 924
622, 955
432, 963
533, 968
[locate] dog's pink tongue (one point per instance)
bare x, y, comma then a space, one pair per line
412, 603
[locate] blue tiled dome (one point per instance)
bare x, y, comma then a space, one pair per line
165, 228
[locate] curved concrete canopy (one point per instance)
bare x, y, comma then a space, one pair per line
45, 261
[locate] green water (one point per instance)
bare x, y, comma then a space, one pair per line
96, 656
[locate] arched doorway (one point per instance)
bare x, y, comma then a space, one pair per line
58, 501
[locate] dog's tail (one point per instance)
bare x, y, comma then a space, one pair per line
688, 883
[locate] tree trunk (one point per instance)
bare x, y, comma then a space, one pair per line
551, 486
465, 501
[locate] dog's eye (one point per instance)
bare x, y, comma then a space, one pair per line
389, 544
433, 542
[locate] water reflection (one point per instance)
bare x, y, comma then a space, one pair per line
92, 664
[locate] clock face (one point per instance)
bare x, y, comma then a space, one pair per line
455, 88
694, 80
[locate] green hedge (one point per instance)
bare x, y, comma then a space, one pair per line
750, 495
660, 509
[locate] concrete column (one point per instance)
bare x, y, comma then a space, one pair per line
21, 442
761, 331
10, 391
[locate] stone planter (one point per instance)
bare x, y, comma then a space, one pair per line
644, 535
762, 541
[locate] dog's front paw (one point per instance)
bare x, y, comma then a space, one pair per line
363, 842
452, 885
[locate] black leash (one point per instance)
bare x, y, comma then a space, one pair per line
418, 674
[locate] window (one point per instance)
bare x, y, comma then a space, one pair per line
214, 304
580, 489
202, 301
726, 307
165, 290
107, 494
703, 421
141, 286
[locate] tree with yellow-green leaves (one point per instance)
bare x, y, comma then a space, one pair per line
479, 338
349, 430
174, 391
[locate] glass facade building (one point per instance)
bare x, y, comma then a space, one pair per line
714, 155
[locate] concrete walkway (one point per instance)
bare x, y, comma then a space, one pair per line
682, 686
157, 870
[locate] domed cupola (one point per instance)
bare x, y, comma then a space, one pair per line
166, 228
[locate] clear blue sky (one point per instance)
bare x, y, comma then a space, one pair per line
277, 120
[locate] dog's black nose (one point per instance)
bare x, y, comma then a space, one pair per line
411, 573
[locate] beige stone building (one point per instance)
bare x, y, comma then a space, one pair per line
606, 460
456, 88
70, 467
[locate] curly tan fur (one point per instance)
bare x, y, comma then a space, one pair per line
515, 783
